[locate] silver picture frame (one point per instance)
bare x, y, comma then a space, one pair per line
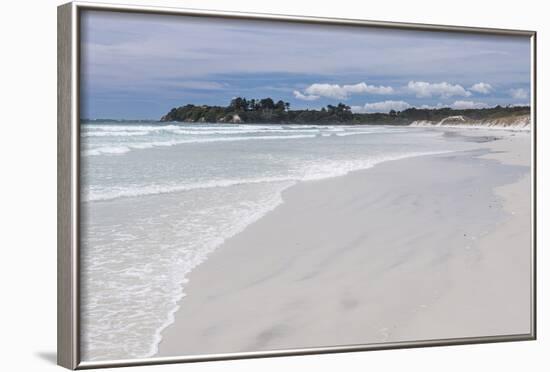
68, 171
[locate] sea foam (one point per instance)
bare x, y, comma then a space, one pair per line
122, 149
137, 263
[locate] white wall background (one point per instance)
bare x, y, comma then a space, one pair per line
28, 184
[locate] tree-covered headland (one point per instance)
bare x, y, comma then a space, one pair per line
266, 110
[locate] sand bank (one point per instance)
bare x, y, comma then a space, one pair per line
420, 248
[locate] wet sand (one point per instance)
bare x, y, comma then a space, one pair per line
430, 247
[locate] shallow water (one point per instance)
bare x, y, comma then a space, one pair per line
157, 199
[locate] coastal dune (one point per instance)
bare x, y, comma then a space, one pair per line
422, 248
511, 122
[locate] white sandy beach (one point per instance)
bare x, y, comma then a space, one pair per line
422, 248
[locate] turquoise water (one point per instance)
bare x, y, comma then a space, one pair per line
158, 198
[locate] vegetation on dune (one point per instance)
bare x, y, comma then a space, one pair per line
266, 110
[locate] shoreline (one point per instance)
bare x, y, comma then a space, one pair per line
488, 127
236, 271
514, 127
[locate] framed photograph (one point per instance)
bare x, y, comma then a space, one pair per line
236, 185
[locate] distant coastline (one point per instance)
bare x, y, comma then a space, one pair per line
267, 111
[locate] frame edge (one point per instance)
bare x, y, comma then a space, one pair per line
534, 186
277, 17
66, 340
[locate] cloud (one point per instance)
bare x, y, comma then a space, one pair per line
519, 93
483, 88
129, 58
457, 105
432, 107
304, 97
463, 105
424, 89
387, 106
340, 91
195, 85
384, 106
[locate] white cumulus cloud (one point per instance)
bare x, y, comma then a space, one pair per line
458, 105
519, 93
387, 106
463, 105
340, 91
424, 89
481, 87
305, 97
384, 106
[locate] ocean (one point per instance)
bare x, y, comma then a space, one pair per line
158, 198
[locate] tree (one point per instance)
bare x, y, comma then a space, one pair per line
239, 104
267, 104
342, 107
266, 111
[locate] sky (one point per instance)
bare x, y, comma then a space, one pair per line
139, 66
